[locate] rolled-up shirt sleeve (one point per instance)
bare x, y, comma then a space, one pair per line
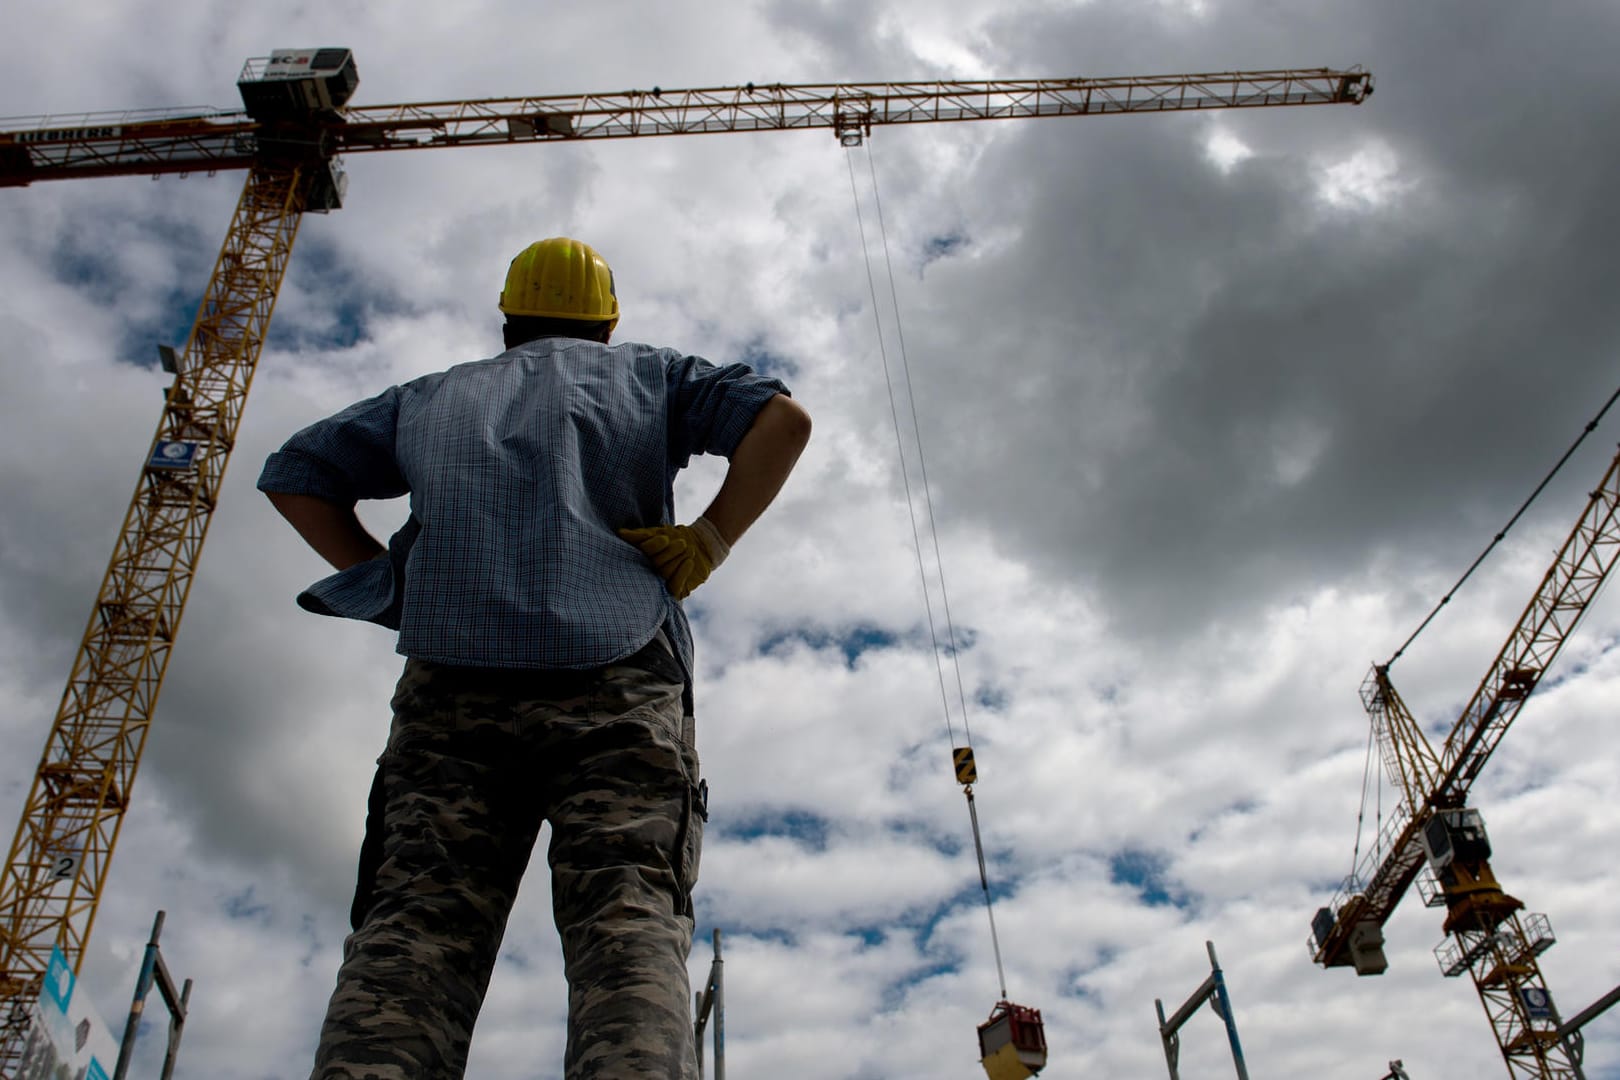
712, 407
344, 458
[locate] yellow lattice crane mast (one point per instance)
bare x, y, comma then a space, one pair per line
296, 124
1435, 838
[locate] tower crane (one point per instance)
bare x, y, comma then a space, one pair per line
289, 137
1434, 828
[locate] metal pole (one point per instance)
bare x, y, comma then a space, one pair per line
1223, 1005
1570, 1030
712, 1000
1212, 990
697, 1029
719, 981
1171, 1040
143, 985
177, 1022
154, 971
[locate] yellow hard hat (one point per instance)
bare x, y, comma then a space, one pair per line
561, 278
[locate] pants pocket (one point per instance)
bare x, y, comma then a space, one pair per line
689, 842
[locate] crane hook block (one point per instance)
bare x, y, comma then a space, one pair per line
1012, 1043
962, 759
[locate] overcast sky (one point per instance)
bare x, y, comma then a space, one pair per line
1214, 408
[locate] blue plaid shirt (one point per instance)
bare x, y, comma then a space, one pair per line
520, 469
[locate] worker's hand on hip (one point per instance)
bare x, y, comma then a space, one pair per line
683, 555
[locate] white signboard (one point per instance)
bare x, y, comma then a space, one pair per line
67, 1039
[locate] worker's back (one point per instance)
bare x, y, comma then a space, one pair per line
521, 469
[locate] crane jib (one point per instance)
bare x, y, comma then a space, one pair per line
156, 142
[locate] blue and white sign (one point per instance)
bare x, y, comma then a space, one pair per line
59, 981
173, 455
1537, 1003
66, 1036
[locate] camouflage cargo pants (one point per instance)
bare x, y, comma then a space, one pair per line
476, 760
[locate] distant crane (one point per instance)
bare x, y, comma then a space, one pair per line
1434, 824
295, 125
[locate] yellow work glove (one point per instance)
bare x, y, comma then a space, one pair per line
683, 555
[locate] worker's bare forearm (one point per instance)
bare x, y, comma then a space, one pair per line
330, 528
759, 466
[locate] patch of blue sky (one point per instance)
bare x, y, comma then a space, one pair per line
1327, 887
956, 639
1563, 673
1074, 985
920, 924
918, 831
732, 927
853, 642
916, 760
80, 259
992, 698
345, 303
139, 338
943, 246
757, 355
968, 896
861, 638
315, 949
242, 905
937, 962
1528, 780
1146, 872
1239, 806
1441, 724
1079, 991
804, 828
897, 993
517, 958
344, 328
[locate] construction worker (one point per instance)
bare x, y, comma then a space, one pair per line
537, 589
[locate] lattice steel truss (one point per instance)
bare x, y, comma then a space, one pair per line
1430, 780
54, 875
1487, 937
1500, 954
118, 144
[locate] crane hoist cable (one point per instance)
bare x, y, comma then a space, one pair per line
1012, 1042
961, 755
1368, 770
1370, 779
1591, 426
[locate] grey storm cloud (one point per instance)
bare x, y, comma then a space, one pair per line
1214, 406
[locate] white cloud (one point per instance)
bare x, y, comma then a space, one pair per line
1226, 150
1367, 179
1203, 443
